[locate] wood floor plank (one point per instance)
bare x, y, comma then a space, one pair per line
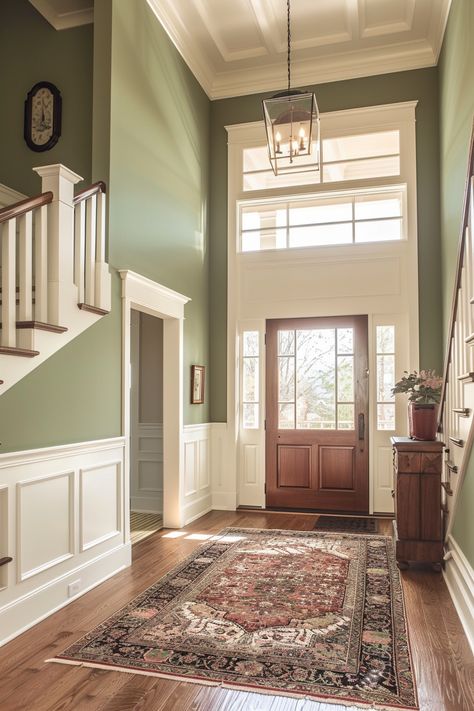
443, 663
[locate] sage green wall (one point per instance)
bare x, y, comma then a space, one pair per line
456, 80
404, 86
75, 395
159, 173
158, 143
31, 51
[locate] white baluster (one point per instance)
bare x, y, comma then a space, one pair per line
41, 264
91, 231
9, 284
25, 257
79, 247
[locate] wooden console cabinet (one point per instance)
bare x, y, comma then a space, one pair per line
418, 525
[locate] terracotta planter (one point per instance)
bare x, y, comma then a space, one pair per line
423, 421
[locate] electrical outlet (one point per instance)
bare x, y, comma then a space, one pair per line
74, 587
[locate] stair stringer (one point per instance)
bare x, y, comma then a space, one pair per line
13, 368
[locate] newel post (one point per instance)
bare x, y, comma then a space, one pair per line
62, 293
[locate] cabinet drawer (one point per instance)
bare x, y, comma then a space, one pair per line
409, 462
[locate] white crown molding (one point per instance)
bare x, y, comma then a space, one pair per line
352, 65
64, 20
182, 39
438, 27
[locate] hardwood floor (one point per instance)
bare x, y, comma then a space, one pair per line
443, 662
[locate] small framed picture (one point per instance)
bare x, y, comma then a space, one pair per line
198, 374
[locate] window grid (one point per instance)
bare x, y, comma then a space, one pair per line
385, 354
357, 198
250, 386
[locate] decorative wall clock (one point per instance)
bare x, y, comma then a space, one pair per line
42, 116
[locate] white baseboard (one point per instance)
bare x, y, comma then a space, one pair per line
459, 577
26, 611
195, 509
224, 500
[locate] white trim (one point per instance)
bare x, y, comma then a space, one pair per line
64, 20
145, 295
35, 606
8, 196
29, 456
459, 577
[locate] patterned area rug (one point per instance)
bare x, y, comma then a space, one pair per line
347, 524
287, 612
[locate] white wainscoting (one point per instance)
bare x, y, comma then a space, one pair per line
223, 470
197, 498
146, 461
459, 577
62, 522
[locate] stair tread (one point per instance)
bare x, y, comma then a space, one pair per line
93, 309
41, 326
23, 352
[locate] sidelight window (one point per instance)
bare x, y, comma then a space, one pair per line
385, 354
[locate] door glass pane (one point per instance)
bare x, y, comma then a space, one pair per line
385, 377
315, 379
345, 417
345, 340
286, 416
250, 416
386, 417
286, 343
250, 343
250, 385
345, 378
385, 339
286, 379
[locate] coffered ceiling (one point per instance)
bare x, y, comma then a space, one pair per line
237, 47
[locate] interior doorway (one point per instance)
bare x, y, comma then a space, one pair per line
146, 425
317, 414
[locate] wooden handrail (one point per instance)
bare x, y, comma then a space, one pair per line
4, 561
457, 282
99, 187
24, 206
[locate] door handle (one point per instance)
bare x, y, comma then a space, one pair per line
361, 422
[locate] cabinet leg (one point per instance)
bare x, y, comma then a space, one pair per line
403, 564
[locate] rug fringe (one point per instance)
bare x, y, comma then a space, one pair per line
234, 687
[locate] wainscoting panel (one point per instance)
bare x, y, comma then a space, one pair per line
146, 482
459, 577
100, 503
197, 467
383, 479
61, 520
45, 523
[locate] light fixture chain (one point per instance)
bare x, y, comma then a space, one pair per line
289, 44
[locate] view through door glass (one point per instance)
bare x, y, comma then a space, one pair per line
317, 407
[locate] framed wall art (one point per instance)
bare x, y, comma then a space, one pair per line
198, 375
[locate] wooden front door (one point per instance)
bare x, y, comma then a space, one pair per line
317, 414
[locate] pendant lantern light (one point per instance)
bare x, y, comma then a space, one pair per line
292, 125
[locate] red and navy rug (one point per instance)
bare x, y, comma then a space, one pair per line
319, 615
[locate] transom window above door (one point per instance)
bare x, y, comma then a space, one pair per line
318, 220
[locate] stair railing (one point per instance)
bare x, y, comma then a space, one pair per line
90, 267
24, 230
456, 421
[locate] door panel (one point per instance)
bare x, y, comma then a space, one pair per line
316, 411
294, 466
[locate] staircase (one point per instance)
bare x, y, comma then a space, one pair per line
456, 414
55, 282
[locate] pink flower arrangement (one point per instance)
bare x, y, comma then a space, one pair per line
423, 387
